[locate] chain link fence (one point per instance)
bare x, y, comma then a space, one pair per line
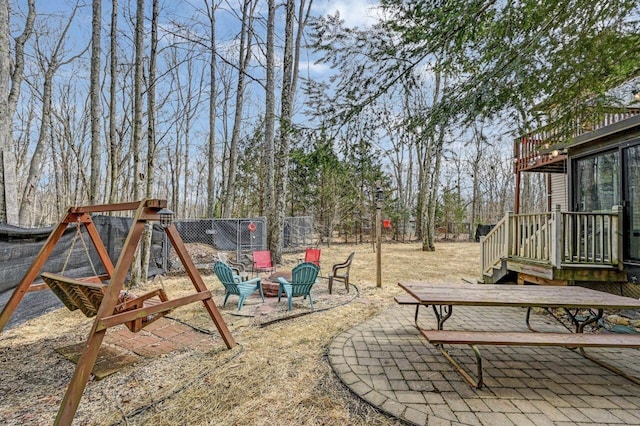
297, 232
240, 236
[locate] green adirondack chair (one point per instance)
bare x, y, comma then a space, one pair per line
303, 277
233, 284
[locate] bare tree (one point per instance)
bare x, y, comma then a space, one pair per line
291, 60
479, 143
151, 134
114, 157
496, 185
136, 142
269, 120
211, 151
244, 57
5, 120
189, 97
94, 95
49, 66
151, 101
69, 151
430, 157
398, 137
10, 82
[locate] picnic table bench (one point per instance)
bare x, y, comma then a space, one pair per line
442, 298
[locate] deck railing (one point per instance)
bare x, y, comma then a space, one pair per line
531, 236
495, 245
591, 238
559, 239
529, 149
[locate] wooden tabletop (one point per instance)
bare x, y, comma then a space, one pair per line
517, 295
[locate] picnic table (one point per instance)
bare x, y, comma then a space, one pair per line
572, 299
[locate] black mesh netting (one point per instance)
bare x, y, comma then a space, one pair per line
19, 247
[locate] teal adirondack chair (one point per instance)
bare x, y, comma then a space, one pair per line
303, 277
233, 284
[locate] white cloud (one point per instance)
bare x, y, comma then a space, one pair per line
355, 13
316, 68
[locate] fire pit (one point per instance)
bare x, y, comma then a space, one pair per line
270, 284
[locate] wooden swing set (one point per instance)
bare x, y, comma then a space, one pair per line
94, 297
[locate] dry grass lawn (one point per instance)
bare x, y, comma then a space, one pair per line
277, 375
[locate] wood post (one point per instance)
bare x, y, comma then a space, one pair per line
511, 235
199, 285
378, 246
517, 195
557, 243
616, 235
483, 256
88, 358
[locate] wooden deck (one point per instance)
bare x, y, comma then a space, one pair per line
555, 247
541, 151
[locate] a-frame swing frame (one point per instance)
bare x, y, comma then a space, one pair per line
145, 211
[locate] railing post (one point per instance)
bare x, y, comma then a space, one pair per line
508, 238
616, 236
556, 237
483, 256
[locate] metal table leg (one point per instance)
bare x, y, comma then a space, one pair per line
442, 313
465, 375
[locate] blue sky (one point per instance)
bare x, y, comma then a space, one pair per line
355, 13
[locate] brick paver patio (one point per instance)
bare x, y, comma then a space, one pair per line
122, 347
389, 364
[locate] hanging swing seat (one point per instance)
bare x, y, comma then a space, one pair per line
86, 294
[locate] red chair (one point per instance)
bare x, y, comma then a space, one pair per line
312, 255
262, 262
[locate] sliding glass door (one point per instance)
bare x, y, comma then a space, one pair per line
631, 157
598, 182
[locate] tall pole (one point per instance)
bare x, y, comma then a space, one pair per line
378, 237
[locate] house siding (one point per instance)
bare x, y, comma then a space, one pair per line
559, 191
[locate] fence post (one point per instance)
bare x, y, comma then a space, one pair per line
555, 256
616, 236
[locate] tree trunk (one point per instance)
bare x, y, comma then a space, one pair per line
151, 137
434, 157
211, 192
269, 128
114, 146
50, 66
137, 127
429, 231
94, 95
8, 100
289, 83
5, 119
137, 101
421, 196
478, 139
246, 36
282, 159
35, 166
